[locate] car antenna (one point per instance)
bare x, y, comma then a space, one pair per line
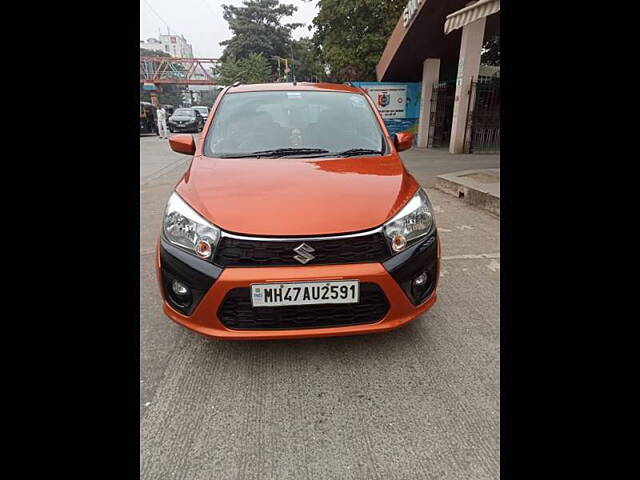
235, 84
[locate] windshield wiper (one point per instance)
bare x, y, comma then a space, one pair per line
359, 151
277, 152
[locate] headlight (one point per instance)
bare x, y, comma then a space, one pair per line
415, 220
184, 227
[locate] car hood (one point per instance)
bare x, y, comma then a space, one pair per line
181, 118
297, 197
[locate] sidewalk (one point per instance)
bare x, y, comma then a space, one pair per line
479, 187
427, 163
472, 177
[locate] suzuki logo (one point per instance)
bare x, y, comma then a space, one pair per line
304, 253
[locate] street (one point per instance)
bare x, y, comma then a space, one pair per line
421, 402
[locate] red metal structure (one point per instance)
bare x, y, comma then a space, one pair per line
177, 71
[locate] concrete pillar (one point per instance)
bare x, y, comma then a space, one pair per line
430, 76
468, 68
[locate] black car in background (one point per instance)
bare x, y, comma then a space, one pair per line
185, 120
148, 118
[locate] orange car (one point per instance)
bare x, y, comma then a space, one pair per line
296, 218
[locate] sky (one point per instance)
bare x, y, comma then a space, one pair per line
201, 22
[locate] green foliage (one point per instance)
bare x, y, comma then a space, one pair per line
352, 34
306, 61
252, 69
491, 51
145, 52
256, 27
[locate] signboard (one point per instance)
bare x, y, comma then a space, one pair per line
391, 100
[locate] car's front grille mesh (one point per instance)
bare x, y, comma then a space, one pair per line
236, 312
235, 252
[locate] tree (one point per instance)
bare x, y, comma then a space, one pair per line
145, 52
252, 69
306, 61
491, 51
352, 34
257, 28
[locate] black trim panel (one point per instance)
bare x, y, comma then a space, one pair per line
405, 266
199, 275
240, 252
237, 312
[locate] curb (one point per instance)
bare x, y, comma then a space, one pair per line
469, 191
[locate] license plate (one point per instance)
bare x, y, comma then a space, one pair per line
305, 293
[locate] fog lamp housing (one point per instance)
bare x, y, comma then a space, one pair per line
420, 280
179, 293
179, 288
419, 285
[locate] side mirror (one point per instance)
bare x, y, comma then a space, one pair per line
403, 140
182, 144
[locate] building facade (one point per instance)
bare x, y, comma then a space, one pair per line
174, 45
439, 44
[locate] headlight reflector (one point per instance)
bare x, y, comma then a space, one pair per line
414, 221
184, 227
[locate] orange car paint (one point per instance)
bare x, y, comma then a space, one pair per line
205, 322
297, 197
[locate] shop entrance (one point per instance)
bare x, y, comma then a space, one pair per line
441, 114
482, 132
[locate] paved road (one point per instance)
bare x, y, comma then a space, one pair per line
156, 158
421, 402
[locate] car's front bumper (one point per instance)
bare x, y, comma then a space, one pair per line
211, 284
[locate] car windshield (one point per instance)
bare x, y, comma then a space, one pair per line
293, 122
201, 109
185, 112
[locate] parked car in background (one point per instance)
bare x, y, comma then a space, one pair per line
185, 120
296, 218
204, 111
148, 118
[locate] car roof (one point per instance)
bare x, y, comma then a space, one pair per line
301, 86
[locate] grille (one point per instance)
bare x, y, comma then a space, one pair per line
237, 313
233, 252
